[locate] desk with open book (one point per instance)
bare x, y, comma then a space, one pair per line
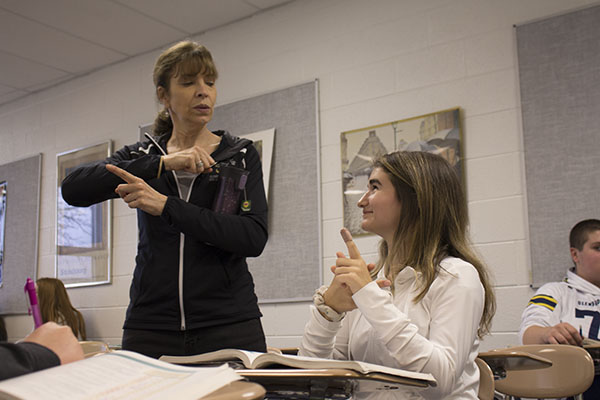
294, 377
126, 375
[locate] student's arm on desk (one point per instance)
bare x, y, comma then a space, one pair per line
120, 374
562, 333
59, 339
48, 346
22, 358
541, 320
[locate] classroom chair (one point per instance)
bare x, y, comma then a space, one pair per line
486, 380
238, 390
571, 373
289, 350
273, 350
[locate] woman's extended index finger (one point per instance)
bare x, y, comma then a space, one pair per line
352, 249
121, 173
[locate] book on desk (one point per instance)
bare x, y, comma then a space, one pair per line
118, 375
255, 361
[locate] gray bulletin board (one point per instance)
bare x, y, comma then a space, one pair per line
559, 73
21, 231
289, 268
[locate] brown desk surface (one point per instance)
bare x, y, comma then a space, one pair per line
513, 360
238, 390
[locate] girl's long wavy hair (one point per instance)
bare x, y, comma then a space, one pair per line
56, 306
433, 223
187, 58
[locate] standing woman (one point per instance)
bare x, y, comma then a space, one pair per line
191, 290
441, 301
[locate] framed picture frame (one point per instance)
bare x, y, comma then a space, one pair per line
83, 234
439, 132
3, 193
263, 143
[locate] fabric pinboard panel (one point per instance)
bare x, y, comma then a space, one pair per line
559, 73
19, 261
289, 269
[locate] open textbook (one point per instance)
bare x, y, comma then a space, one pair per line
256, 360
118, 375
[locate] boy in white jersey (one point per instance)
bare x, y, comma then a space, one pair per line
566, 312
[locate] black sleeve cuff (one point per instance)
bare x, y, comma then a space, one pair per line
25, 357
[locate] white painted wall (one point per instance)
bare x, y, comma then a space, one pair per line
377, 61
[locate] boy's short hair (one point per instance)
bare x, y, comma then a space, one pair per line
580, 232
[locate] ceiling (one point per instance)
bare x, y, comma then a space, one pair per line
45, 42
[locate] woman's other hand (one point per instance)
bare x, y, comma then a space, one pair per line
194, 159
137, 193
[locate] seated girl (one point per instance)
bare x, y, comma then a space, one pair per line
439, 302
55, 306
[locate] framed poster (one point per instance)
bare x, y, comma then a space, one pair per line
83, 238
263, 143
19, 230
294, 188
439, 133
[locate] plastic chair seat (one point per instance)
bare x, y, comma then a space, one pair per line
486, 380
571, 373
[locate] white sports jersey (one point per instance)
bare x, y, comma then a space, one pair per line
574, 300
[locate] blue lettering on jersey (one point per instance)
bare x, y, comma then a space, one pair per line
594, 326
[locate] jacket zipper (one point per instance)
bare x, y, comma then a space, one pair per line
181, 242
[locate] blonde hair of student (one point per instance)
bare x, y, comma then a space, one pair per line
183, 58
55, 306
433, 223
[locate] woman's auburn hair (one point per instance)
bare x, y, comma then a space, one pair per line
433, 223
183, 58
55, 306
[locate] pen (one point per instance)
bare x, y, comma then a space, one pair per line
34, 307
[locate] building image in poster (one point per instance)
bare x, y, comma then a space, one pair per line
438, 133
